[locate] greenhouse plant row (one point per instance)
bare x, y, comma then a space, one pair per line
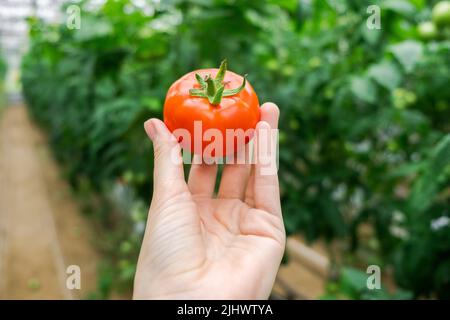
364, 141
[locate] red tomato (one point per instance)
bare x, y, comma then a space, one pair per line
214, 99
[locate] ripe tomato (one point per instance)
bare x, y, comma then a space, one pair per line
217, 100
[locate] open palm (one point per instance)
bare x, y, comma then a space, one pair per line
201, 246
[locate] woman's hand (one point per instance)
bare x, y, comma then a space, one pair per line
201, 246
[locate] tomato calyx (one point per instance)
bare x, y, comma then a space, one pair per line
214, 88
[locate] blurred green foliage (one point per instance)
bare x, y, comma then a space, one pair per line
352, 284
364, 114
3, 69
2, 66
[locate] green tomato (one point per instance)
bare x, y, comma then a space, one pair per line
441, 13
427, 30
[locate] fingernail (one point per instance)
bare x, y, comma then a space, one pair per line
263, 125
150, 129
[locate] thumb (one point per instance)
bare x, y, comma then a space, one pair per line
168, 165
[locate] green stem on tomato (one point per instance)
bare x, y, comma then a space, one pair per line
214, 89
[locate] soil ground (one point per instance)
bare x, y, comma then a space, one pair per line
42, 231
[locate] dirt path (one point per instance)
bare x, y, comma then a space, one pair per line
41, 229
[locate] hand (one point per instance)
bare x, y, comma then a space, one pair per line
198, 246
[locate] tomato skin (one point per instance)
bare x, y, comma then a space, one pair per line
240, 111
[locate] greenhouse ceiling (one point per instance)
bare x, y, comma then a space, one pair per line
13, 26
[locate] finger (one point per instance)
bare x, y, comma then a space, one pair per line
266, 188
235, 176
202, 177
270, 114
168, 163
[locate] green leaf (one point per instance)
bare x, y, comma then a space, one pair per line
386, 74
93, 28
426, 186
407, 169
402, 7
290, 5
408, 53
151, 103
372, 36
375, 295
401, 294
363, 89
328, 296
355, 278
